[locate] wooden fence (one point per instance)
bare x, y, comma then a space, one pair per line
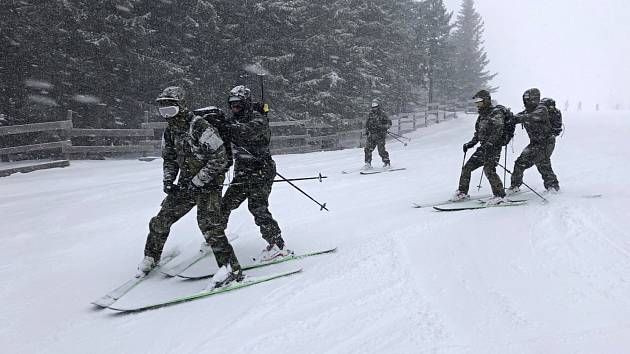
287, 137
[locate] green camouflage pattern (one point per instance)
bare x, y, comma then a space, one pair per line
191, 148
376, 127
542, 142
254, 171
193, 151
488, 127
488, 156
489, 132
538, 154
536, 123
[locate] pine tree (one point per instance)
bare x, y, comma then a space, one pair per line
435, 30
471, 59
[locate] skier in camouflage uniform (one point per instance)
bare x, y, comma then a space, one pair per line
254, 169
376, 128
535, 119
489, 132
192, 149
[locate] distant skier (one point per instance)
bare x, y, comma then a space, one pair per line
376, 128
489, 131
192, 149
254, 170
542, 141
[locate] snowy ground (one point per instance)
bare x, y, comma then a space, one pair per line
549, 278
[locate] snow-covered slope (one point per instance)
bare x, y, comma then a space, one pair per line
549, 278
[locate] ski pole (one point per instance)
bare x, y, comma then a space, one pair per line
400, 136
262, 91
393, 136
320, 178
322, 206
480, 179
464, 161
504, 172
525, 184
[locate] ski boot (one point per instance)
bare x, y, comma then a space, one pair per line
225, 276
275, 250
459, 196
147, 265
512, 190
496, 200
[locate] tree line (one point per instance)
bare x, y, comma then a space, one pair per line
322, 60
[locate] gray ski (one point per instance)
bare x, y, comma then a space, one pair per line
117, 293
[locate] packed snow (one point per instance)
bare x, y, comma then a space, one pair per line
539, 278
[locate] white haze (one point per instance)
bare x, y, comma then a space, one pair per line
571, 50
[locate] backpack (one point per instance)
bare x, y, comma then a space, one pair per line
555, 116
509, 123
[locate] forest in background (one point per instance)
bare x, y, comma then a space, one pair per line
323, 61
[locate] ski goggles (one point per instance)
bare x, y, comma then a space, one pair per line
168, 111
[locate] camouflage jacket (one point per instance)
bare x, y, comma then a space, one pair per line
192, 148
377, 123
250, 134
489, 127
536, 123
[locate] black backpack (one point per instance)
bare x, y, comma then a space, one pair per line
509, 123
555, 116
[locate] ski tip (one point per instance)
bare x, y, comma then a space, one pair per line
101, 304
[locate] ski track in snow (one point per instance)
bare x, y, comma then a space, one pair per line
540, 278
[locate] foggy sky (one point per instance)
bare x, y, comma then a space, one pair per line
571, 50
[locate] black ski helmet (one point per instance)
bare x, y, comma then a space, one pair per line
531, 97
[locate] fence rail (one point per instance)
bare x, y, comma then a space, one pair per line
287, 137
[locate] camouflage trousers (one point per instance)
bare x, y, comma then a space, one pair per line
253, 185
487, 156
376, 141
538, 154
178, 204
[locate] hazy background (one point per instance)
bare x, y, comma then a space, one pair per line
576, 51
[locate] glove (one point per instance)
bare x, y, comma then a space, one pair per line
230, 162
467, 146
170, 188
216, 120
194, 187
260, 107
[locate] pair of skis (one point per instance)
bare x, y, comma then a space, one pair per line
481, 202
472, 203
110, 298
374, 170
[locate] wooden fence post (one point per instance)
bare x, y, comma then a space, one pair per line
67, 134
